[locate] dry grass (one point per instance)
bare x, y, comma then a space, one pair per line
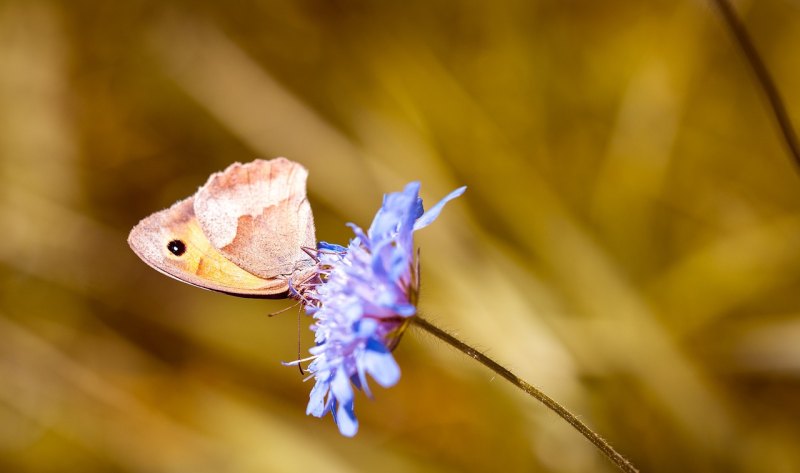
629, 242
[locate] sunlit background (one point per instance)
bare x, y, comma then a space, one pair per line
629, 241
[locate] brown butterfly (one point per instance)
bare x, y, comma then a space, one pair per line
242, 233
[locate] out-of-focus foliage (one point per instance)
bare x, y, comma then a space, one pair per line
629, 242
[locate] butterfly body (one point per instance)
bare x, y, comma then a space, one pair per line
242, 233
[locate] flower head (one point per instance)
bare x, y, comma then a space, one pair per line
365, 299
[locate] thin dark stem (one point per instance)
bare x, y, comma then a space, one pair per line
763, 76
621, 462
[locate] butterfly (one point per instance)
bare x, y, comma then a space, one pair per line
242, 233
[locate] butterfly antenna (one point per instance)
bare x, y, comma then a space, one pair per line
273, 314
312, 252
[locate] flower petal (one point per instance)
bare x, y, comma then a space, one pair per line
399, 209
362, 295
380, 364
340, 386
324, 245
345, 418
316, 401
433, 212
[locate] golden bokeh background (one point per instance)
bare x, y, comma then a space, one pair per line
629, 241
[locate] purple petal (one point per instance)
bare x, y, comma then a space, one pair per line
380, 364
340, 386
433, 212
324, 245
316, 402
406, 310
345, 419
361, 237
365, 327
398, 209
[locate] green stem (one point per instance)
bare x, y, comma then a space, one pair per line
621, 462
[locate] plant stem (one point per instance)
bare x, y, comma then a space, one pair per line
621, 462
763, 77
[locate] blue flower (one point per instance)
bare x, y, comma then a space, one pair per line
365, 298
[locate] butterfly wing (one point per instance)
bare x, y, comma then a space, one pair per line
257, 215
172, 242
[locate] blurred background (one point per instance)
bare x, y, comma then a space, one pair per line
629, 241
